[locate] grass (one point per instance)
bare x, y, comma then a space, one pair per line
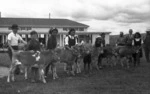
4, 59
114, 80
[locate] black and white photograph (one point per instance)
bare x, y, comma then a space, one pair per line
74, 46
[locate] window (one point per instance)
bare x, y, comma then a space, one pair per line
23, 36
81, 29
42, 36
65, 29
28, 28
22, 28
25, 28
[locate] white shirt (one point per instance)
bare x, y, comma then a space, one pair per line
14, 38
67, 39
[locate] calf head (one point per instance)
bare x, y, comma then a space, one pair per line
55, 56
37, 55
18, 67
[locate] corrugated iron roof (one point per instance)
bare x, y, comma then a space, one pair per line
40, 22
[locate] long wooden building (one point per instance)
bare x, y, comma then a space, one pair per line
42, 26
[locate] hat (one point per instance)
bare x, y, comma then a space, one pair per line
52, 30
14, 26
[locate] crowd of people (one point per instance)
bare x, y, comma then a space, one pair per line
136, 40
130, 40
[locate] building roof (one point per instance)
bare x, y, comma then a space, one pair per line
40, 22
84, 32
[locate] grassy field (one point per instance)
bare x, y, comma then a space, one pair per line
116, 80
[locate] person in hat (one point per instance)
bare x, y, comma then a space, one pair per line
34, 45
51, 44
147, 45
137, 43
14, 38
71, 39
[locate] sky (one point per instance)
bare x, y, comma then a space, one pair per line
101, 15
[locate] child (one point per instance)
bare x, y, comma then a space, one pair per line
137, 42
51, 44
34, 45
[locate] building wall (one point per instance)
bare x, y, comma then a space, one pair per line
94, 36
60, 37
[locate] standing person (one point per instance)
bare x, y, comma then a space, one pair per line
34, 45
147, 45
51, 44
100, 43
130, 38
71, 39
13, 39
121, 41
137, 42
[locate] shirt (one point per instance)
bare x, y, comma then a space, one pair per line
52, 42
137, 41
121, 40
33, 44
14, 38
71, 37
129, 39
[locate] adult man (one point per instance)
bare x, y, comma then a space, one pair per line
14, 38
71, 39
51, 44
147, 45
129, 38
121, 41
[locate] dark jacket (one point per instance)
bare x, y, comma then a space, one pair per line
99, 42
147, 40
52, 42
33, 45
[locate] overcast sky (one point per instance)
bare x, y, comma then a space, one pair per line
100, 15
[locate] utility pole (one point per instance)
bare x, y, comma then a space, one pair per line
49, 15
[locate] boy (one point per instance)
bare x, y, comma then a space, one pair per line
51, 44
34, 45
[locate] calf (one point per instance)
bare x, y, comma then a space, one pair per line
68, 56
28, 59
